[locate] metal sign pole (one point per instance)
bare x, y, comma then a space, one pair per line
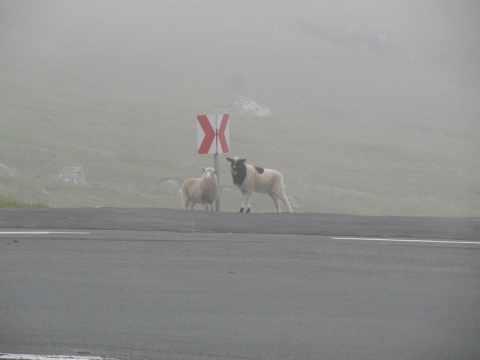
216, 164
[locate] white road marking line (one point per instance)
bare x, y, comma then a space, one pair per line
48, 357
43, 233
407, 240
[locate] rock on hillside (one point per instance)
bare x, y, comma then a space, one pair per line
73, 175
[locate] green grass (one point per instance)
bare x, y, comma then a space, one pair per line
7, 202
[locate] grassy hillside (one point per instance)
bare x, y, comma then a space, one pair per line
365, 119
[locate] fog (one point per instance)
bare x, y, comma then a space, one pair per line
367, 107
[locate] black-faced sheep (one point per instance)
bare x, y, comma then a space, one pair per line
249, 178
200, 190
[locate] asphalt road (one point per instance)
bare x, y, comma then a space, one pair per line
168, 284
223, 222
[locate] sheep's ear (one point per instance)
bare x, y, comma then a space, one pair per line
203, 169
242, 160
230, 159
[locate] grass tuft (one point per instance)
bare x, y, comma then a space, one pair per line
8, 202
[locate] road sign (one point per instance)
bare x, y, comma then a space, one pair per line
213, 134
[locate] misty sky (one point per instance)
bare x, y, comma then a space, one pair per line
138, 29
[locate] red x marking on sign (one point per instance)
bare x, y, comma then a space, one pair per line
213, 134
209, 134
221, 133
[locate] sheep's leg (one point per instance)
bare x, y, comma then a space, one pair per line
277, 204
287, 203
185, 201
276, 201
247, 201
242, 203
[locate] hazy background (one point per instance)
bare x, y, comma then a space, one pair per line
367, 107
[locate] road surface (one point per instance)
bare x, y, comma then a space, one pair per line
167, 284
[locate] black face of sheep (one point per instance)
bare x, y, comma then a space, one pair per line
238, 169
250, 178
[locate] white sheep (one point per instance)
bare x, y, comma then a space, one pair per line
200, 190
249, 178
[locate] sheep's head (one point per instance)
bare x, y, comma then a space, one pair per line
236, 163
209, 172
